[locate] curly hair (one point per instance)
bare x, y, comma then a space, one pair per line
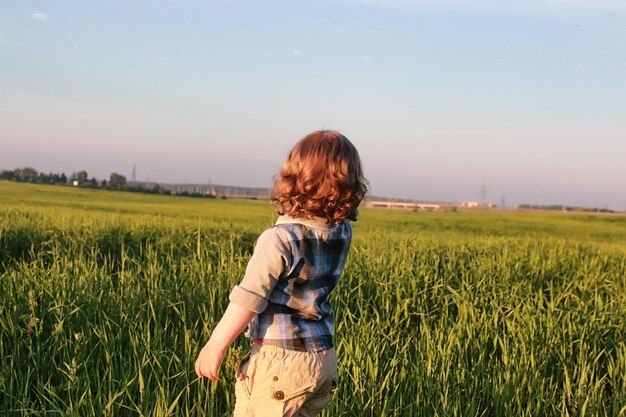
322, 177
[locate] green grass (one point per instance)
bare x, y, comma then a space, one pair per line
106, 298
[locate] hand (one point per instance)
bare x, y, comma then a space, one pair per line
233, 321
209, 361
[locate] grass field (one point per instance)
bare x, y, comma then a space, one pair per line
106, 298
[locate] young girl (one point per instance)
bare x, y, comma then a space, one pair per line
291, 368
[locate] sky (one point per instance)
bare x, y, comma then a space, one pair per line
524, 99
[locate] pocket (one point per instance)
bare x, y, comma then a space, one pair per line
243, 383
285, 387
290, 391
299, 374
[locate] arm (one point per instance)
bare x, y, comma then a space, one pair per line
234, 320
267, 263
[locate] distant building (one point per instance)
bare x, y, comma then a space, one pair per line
401, 205
470, 204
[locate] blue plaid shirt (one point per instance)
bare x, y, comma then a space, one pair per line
294, 267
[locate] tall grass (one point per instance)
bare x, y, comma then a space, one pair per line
105, 299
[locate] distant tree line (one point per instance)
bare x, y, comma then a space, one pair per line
81, 179
558, 207
31, 175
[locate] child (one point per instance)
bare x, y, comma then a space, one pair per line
291, 368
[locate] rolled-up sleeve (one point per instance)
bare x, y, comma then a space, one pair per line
267, 264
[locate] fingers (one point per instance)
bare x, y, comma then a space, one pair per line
208, 370
211, 371
209, 361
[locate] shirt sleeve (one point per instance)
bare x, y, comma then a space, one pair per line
267, 264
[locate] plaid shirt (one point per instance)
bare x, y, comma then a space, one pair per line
294, 267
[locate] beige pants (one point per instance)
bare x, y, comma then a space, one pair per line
275, 382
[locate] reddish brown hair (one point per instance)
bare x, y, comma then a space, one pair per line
322, 177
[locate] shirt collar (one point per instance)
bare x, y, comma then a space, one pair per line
314, 222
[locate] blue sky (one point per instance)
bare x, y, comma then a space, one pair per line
527, 97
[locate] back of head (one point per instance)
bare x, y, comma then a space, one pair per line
322, 177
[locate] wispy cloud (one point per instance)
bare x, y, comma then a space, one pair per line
529, 6
40, 16
365, 58
297, 52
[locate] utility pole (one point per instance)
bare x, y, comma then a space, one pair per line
211, 190
483, 194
